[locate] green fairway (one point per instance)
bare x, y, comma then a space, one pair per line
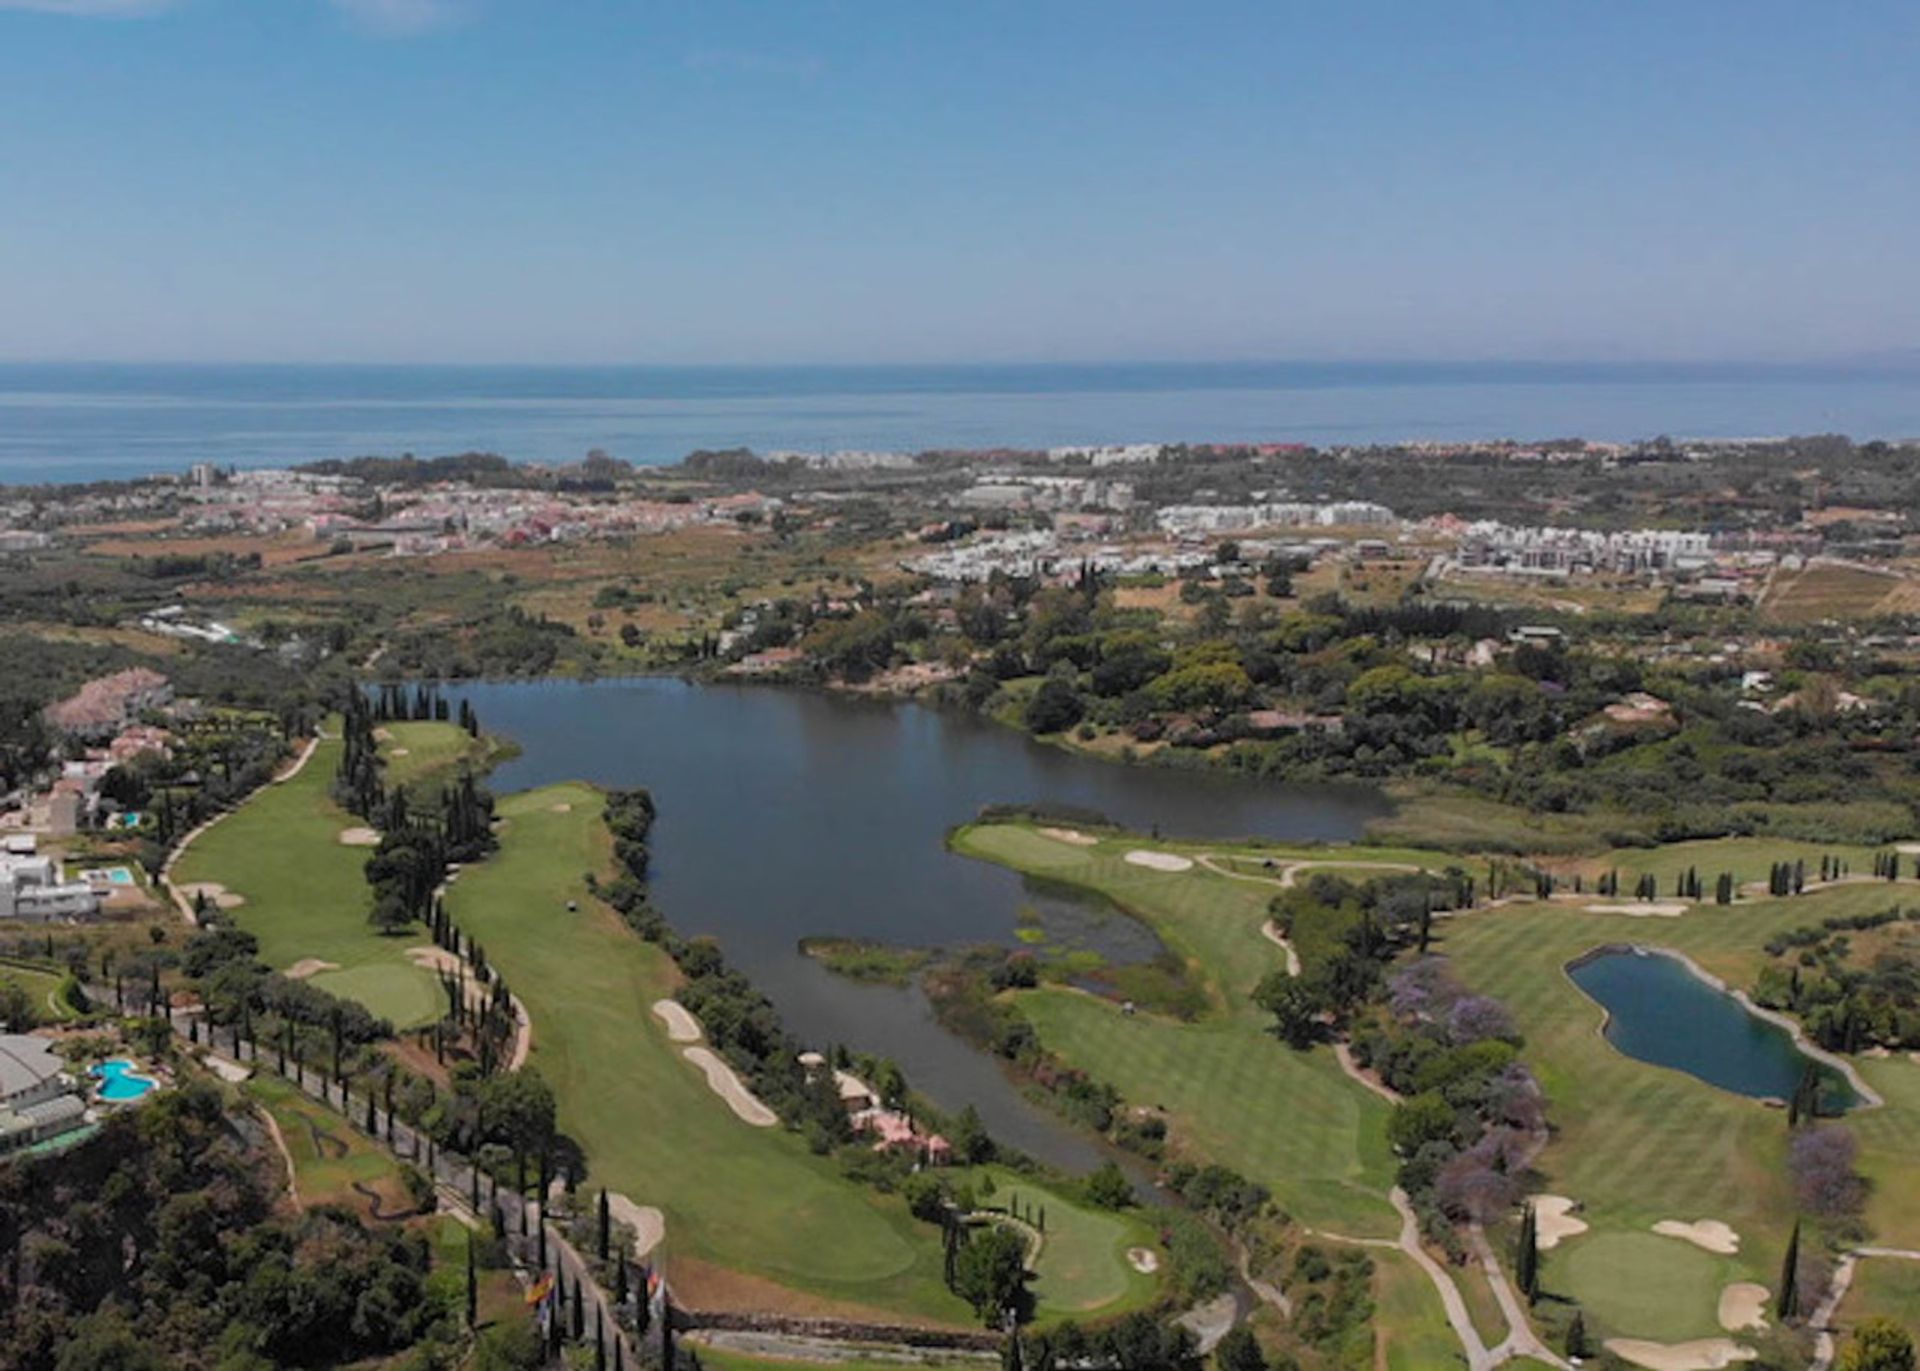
1646, 1286
736, 1197
1083, 1264
1233, 1093
306, 893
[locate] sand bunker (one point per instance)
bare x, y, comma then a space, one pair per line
1069, 835
729, 1088
682, 1027
222, 897
400, 752
1743, 1305
1906, 847
1143, 1259
1159, 861
1641, 909
308, 966
561, 808
359, 837
1554, 1222
649, 1224
1709, 1234
1702, 1354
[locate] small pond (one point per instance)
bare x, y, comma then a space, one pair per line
1658, 1011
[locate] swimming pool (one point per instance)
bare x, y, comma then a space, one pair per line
119, 1081
107, 875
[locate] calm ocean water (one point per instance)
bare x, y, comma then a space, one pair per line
74, 422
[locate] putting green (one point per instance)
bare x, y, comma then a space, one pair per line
1643, 1285
737, 1199
1083, 1264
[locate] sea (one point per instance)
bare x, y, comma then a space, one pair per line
67, 422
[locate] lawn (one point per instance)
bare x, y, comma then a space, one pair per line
737, 1199
1411, 1327
429, 752
1636, 1143
728, 1359
329, 1156
1232, 1093
1883, 1287
1083, 1267
42, 989
306, 893
1657, 1287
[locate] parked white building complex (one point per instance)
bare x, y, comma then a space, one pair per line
1274, 514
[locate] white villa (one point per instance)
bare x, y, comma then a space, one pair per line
38, 1099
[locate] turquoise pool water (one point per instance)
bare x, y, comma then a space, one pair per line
119, 1081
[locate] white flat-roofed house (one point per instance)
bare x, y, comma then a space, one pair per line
35, 889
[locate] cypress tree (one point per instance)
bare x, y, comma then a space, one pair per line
1789, 1300
1527, 1261
1577, 1336
473, 1286
606, 1224
579, 1316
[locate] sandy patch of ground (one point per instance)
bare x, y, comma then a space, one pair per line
401, 752
1143, 1259
360, 836
222, 897
562, 808
1554, 1221
682, 1027
728, 1087
1710, 1234
308, 966
1069, 835
1743, 1305
1274, 935
383, 735
1159, 861
1702, 1354
1906, 847
1641, 909
649, 1224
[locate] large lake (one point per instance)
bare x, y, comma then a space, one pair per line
784, 814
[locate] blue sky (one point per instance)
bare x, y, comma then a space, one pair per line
916, 180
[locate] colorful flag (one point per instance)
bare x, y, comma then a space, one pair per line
540, 1289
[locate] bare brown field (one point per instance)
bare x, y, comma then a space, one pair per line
1832, 592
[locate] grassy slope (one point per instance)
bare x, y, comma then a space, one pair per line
753, 1200
306, 894
1636, 1143
42, 988
1234, 1095
423, 751
325, 1171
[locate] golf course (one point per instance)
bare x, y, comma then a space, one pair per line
302, 891
1633, 1144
